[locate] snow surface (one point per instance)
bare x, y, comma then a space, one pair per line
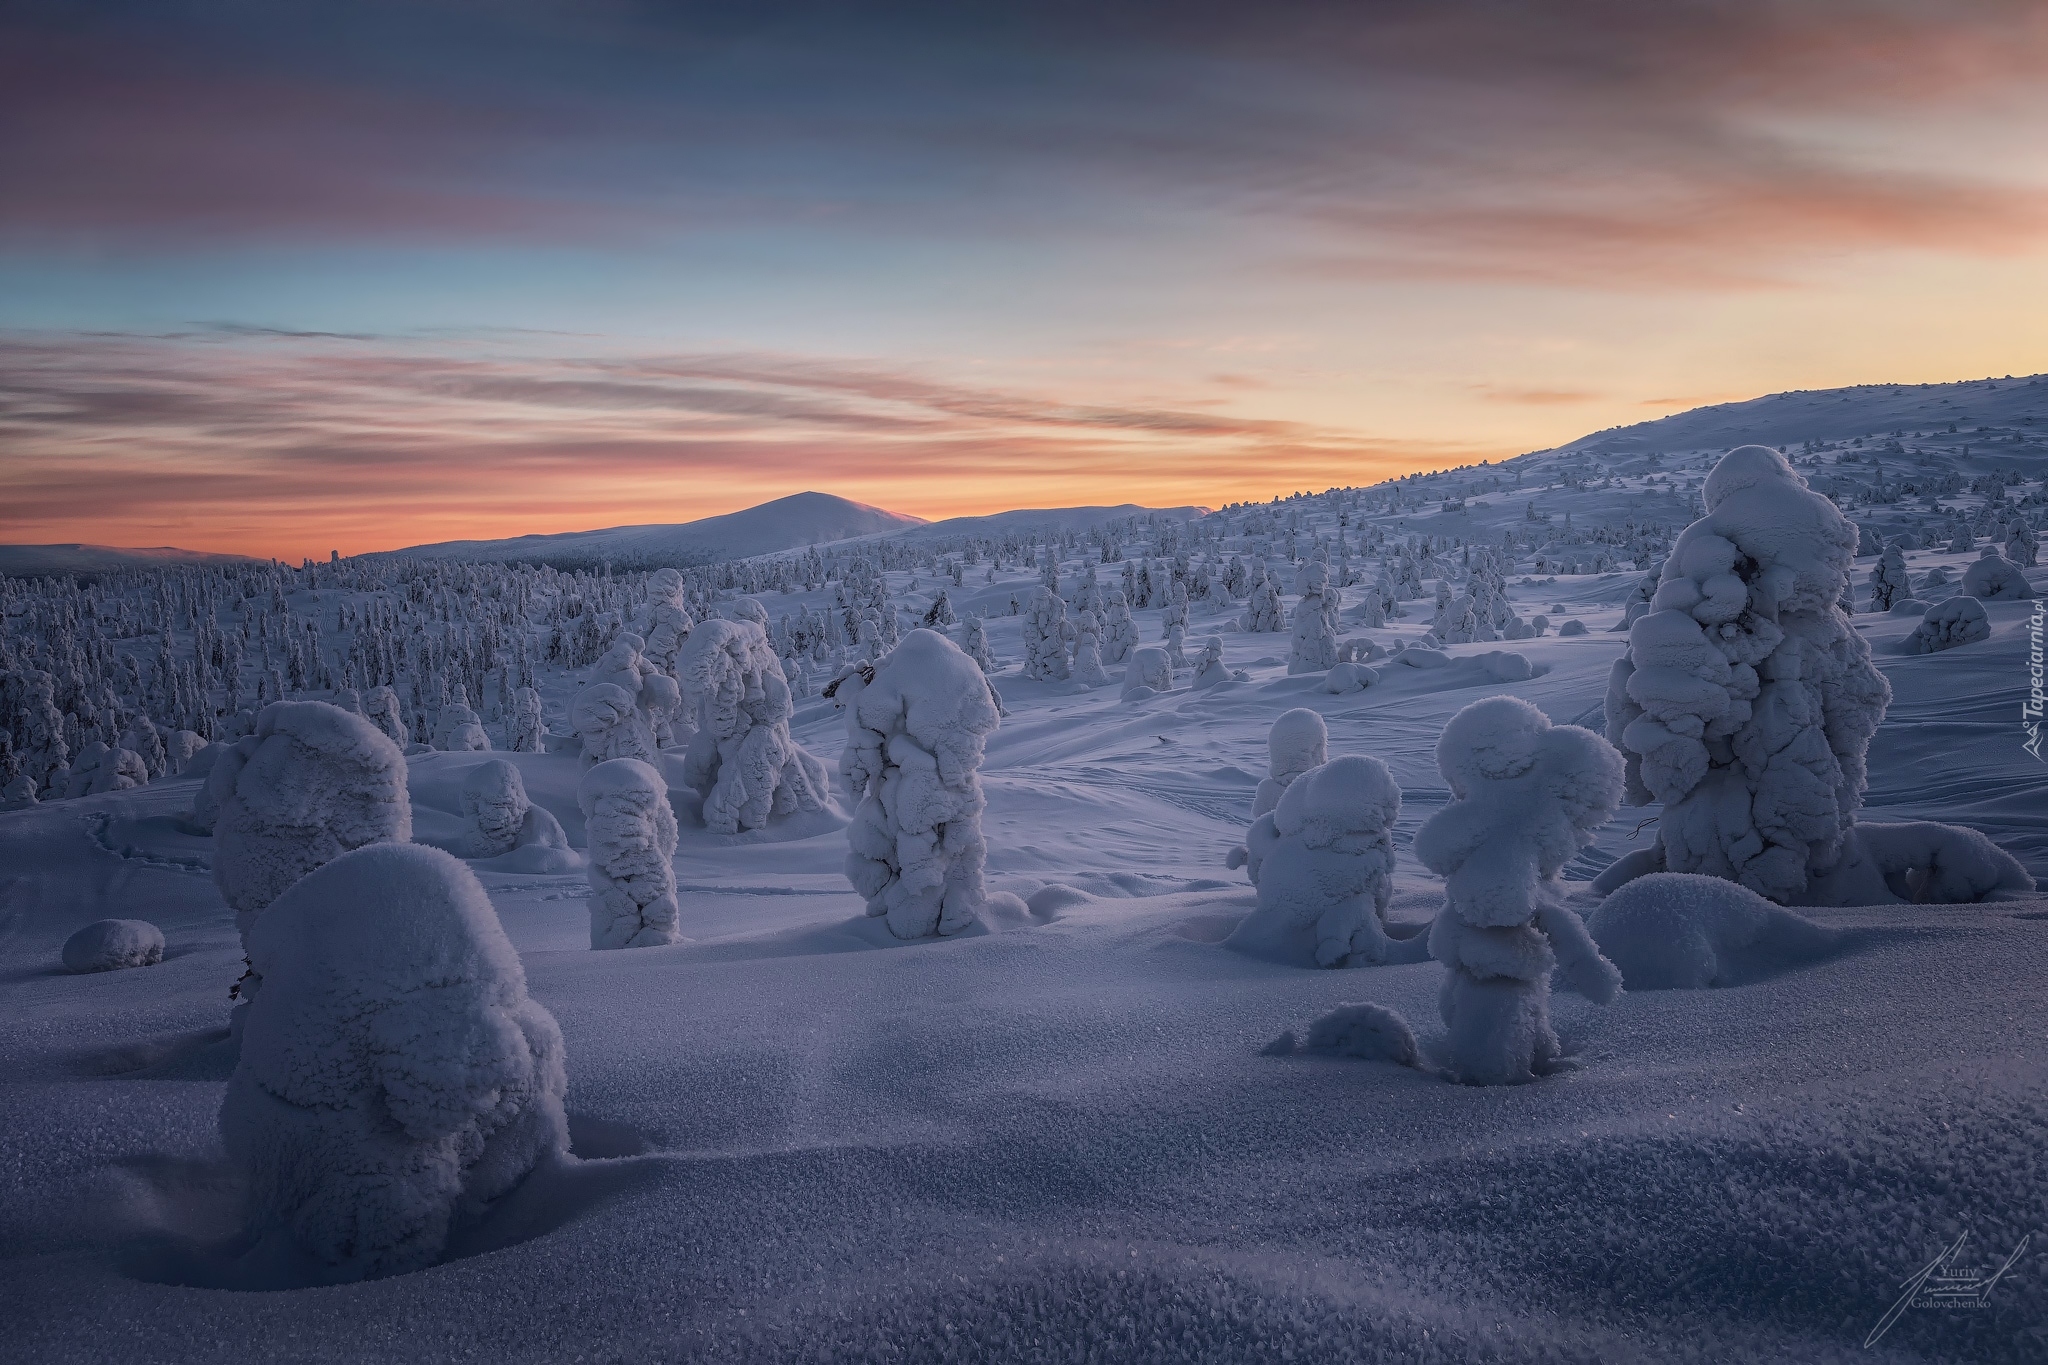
1066, 1135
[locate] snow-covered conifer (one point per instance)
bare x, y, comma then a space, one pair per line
914, 745
1045, 638
975, 644
1209, 669
1315, 639
608, 719
1088, 669
394, 1078
1957, 621
1746, 700
381, 709
1994, 578
460, 730
1120, 628
1262, 612
2022, 546
631, 833
742, 759
311, 783
525, 732
1888, 578
1298, 741
1147, 673
1327, 862
498, 816
1526, 796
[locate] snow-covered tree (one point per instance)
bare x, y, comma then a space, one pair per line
668, 620
1088, 668
742, 759
498, 817
100, 768
525, 732
941, 611
1994, 578
1147, 673
311, 783
1045, 638
1325, 859
1262, 612
975, 635
1889, 581
394, 1078
915, 732
631, 833
2022, 546
1120, 628
1209, 669
1958, 621
1297, 742
1746, 701
608, 720
1526, 796
1315, 636
381, 709
460, 730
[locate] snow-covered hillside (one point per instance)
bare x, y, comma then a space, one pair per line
1122, 1116
30, 561
785, 524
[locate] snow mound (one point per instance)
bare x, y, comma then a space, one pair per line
1994, 578
1372, 1032
394, 1077
1958, 621
112, 944
1683, 931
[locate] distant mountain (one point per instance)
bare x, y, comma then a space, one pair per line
1835, 415
790, 523
29, 561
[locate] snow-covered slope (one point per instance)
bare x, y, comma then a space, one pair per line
27, 561
1049, 520
789, 523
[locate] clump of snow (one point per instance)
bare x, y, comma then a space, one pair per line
1682, 931
1372, 1032
915, 732
1746, 699
631, 832
742, 759
1326, 863
394, 1078
311, 783
112, 944
1921, 862
1526, 796
1419, 657
1572, 627
99, 768
1147, 673
1907, 606
1957, 621
1346, 678
1994, 578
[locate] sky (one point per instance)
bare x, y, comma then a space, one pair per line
279, 277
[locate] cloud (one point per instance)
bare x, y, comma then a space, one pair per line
290, 445
1603, 143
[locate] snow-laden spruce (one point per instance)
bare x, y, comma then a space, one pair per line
1325, 856
1297, 742
668, 620
1888, 578
1315, 622
630, 830
1147, 672
1209, 668
914, 736
741, 759
1045, 637
1262, 612
1957, 621
1088, 670
460, 730
1994, 578
380, 708
1526, 796
525, 732
394, 1078
311, 783
974, 637
608, 720
1746, 700
498, 817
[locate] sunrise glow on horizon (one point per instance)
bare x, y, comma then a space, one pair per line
289, 279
